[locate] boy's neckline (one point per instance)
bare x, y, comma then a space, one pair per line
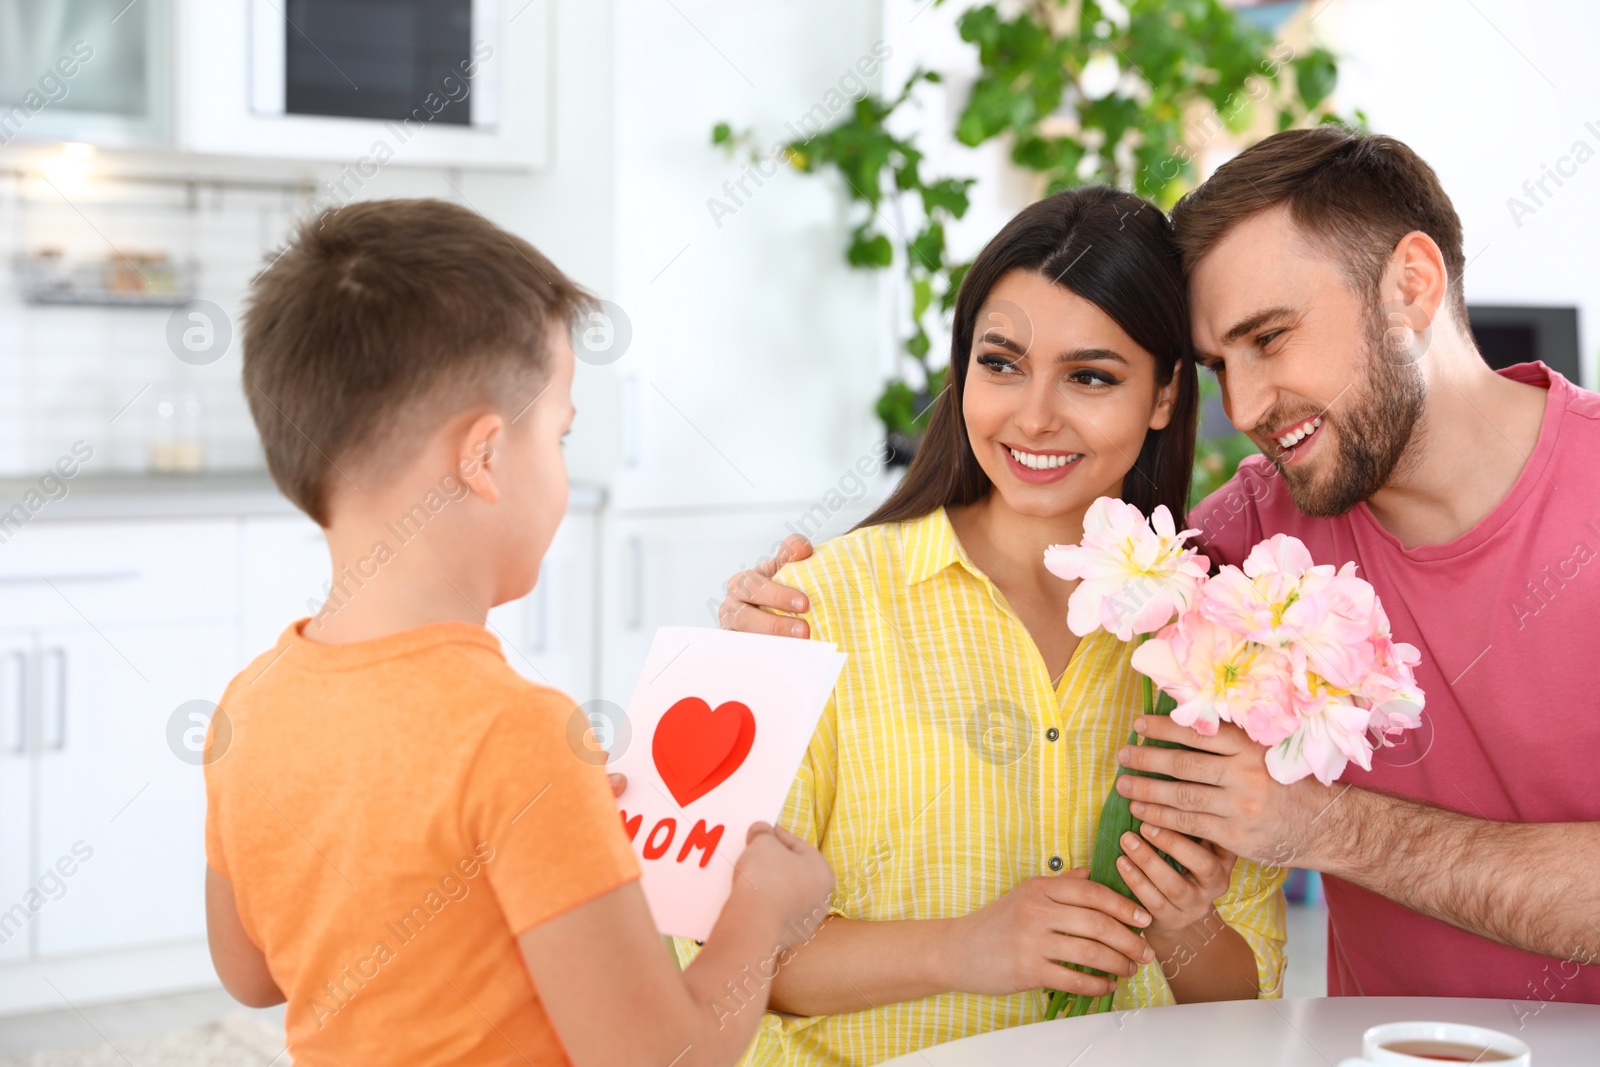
346, 654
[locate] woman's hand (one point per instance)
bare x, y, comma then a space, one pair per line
751, 590
1176, 901
1202, 957
1019, 942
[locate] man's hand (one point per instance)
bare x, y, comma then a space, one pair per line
1223, 793
750, 591
1533, 886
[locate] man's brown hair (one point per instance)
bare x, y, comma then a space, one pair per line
381, 319
1353, 194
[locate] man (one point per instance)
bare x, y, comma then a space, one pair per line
1324, 272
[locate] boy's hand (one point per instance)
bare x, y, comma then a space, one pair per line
749, 591
1018, 942
1175, 900
786, 875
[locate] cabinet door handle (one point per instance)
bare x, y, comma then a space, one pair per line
70, 576
632, 422
19, 663
59, 656
636, 576
539, 616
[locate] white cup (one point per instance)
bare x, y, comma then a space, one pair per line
1378, 1045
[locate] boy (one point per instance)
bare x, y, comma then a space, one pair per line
400, 841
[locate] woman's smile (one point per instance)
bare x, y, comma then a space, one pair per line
1039, 468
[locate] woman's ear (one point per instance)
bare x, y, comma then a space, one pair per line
475, 455
1166, 399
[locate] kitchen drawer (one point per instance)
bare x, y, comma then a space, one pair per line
69, 573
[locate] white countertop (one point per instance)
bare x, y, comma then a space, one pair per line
1309, 1032
207, 494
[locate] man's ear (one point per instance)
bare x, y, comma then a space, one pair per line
1415, 284
476, 455
1166, 400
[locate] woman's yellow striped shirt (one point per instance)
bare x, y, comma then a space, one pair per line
947, 769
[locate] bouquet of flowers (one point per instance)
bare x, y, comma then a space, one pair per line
1298, 655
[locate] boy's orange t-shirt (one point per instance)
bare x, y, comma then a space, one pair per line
392, 814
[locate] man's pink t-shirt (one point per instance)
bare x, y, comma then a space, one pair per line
1507, 618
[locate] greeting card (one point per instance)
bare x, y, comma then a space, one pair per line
719, 722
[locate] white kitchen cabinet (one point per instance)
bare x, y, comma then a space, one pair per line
286, 566
71, 573
549, 635
671, 570
110, 782
96, 71
230, 71
100, 817
16, 784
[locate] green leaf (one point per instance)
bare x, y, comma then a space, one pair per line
947, 194
721, 133
1115, 820
1242, 117
905, 175
897, 408
927, 249
955, 274
921, 297
1314, 76
868, 249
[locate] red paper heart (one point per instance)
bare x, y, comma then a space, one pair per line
696, 748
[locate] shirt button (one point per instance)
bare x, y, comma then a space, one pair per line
1051, 734
1055, 863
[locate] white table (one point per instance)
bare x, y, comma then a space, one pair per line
1310, 1032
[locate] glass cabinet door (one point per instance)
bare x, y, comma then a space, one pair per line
85, 70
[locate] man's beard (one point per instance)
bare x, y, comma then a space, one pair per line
1376, 422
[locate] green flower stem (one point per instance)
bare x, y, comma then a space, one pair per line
1116, 819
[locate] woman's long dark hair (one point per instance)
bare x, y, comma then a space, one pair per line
1114, 250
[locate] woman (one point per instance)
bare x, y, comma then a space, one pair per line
957, 774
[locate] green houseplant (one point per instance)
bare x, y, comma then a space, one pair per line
1083, 91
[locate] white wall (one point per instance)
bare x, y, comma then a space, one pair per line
756, 353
